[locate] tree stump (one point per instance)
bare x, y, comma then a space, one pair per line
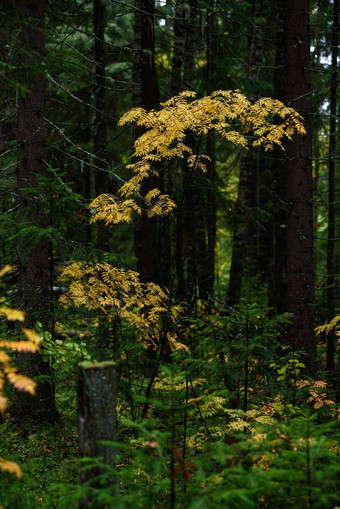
96, 421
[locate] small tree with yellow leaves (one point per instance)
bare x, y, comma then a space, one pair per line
116, 292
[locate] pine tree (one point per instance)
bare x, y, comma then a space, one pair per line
34, 270
300, 269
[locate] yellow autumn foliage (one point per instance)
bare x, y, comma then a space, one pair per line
327, 327
266, 122
119, 292
11, 467
231, 115
9, 371
13, 314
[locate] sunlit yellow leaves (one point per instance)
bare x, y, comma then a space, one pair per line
117, 292
230, 114
10, 466
21, 382
5, 269
3, 403
175, 344
32, 337
132, 116
13, 314
7, 370
327, 327
266, 122
108, 210
4, 357
162, 207
151, 195
317, 394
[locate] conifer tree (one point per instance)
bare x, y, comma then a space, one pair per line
34, 253
300, 268
146, 95
244, 251
100, 121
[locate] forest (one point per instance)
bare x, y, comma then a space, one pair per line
169, 242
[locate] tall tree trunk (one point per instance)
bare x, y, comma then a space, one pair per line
178, 48
279, 293
207, 267
165, 268
186, 249
300, 270
34, 279
145, 94
246, 194
244, 237
331, 189
100, 126
189, 47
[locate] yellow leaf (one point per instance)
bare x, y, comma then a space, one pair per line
3, 403
10, 466
6, 269
22, 383
32, 336
13, 314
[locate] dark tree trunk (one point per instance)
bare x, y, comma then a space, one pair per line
206, 267
164, 232
100, 126
244, 251
211, 215
34, 277
96, 420
178, 48
189, 47
145, 94
186, 248
300, 270
243, 228
279, 292
331, 189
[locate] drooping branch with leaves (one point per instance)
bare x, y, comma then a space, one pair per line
8, 371
229, 113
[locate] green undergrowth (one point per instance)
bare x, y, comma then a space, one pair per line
47, 455
231, 421
278, 463
273, 455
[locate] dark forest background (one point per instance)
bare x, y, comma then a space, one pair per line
250, 255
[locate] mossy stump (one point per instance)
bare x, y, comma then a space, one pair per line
97, 423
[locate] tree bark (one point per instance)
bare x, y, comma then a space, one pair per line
100, 125
189, 47
331, 189
178, 48
34, 276
206, 268
279, 293
164, 230
300, 269
243, 228
96, 420
146, 95
186, 248
244, 249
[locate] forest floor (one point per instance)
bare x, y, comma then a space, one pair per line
48, 458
